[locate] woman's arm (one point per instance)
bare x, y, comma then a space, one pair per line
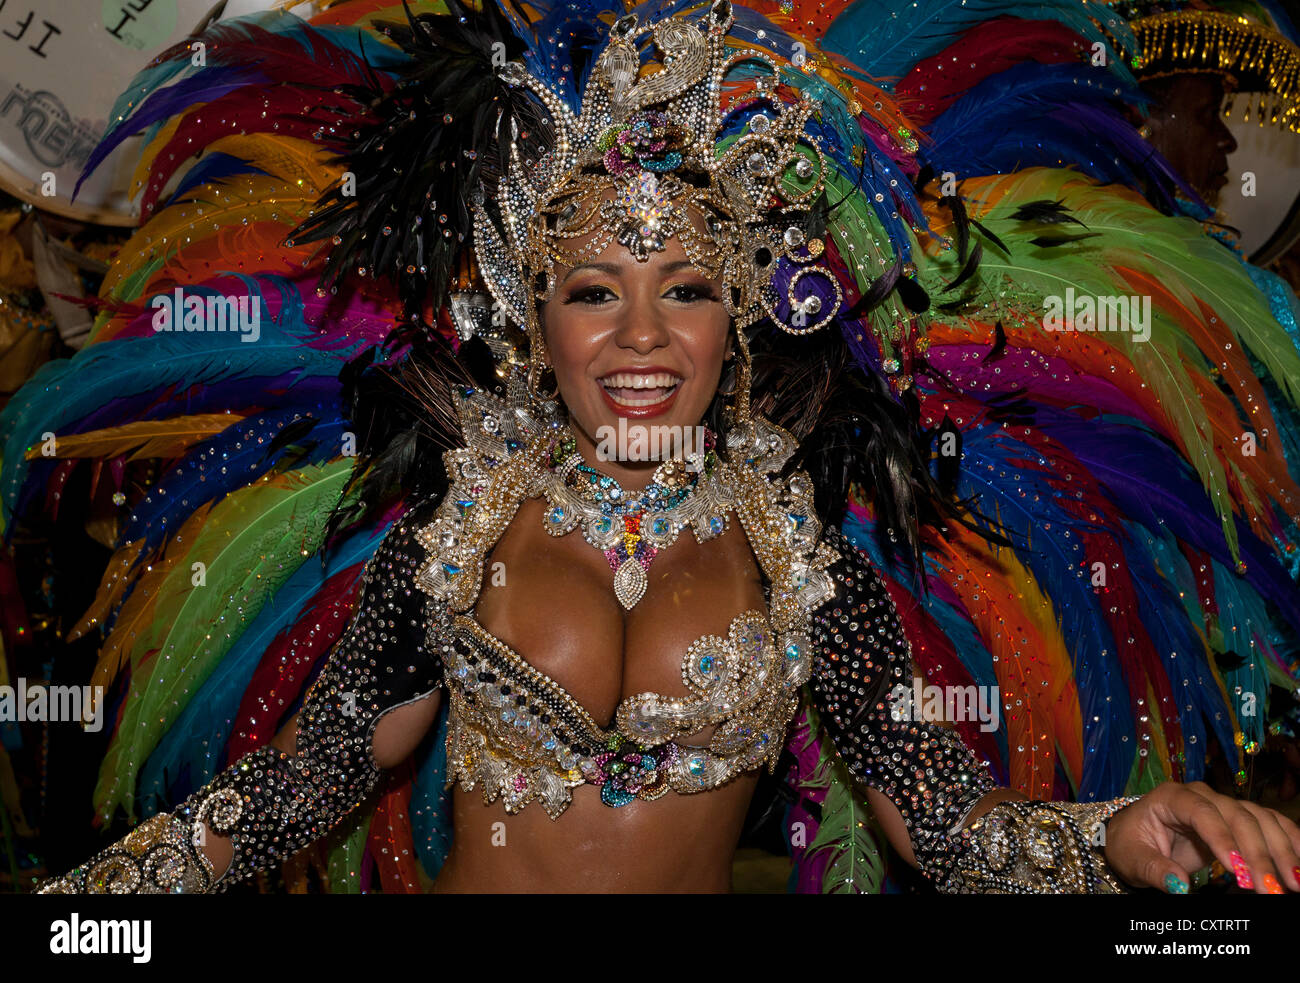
941, 810
274, 801
935, 799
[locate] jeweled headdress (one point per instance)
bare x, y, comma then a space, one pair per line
515, 141
655, 154
685, 126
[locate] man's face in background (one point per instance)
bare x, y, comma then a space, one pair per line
1187, 127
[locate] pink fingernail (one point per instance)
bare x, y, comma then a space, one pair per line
1241, 871
1271, 886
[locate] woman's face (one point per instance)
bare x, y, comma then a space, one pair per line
644, 341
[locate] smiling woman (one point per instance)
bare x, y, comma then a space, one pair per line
641, 340
710, 232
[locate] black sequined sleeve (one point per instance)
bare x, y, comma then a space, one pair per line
271, 804
860, 655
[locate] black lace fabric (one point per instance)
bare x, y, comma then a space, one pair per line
860, 655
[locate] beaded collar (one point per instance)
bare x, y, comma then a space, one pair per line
630, 529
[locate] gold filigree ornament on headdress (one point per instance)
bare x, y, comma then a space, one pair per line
647, 160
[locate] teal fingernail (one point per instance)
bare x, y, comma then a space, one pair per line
1175, 884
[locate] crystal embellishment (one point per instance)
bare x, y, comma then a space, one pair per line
629, 583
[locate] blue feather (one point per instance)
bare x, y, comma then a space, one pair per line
182, 493
1028, 509
431, 820
1035, 115
213, 167
887, 37
64, 394
1241, 617
1180, 648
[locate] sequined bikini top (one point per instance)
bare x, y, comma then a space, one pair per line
518, 735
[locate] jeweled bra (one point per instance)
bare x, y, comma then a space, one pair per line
518, 734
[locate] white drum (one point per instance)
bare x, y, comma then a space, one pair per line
63, 64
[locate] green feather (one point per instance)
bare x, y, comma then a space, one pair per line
251, 543
345, 849
848, 829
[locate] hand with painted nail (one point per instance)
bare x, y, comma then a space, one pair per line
1175, 829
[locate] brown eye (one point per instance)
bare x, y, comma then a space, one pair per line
687, 293
591, 296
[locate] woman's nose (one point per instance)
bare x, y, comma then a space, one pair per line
641, 328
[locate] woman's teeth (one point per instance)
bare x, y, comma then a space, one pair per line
635, 389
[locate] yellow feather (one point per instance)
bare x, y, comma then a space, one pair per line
134, 623
146, 438
299, 163
111, 588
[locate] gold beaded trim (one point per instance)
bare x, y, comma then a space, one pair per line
1254, 57
159, 856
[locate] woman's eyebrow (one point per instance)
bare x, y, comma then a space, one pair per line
609, 268
678, 265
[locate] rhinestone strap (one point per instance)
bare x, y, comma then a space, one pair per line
860, 654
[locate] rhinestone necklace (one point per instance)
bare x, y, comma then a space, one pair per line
631, 528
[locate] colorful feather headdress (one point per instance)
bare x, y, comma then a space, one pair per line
710, 143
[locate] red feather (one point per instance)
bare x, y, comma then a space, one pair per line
390, 840
994, 46
294, 56
933, 654
289, 659
288, 110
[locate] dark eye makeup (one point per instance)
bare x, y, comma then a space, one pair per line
593, 296
690, 292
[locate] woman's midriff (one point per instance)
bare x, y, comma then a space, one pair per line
677, 843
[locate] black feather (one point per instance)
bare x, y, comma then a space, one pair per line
818, 217
991, 237
416, 172
404, 418
947, 466
960, 223
1044, 212
852, 432
967, 270
999, 343
913, 295
1049, 242
881, 287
